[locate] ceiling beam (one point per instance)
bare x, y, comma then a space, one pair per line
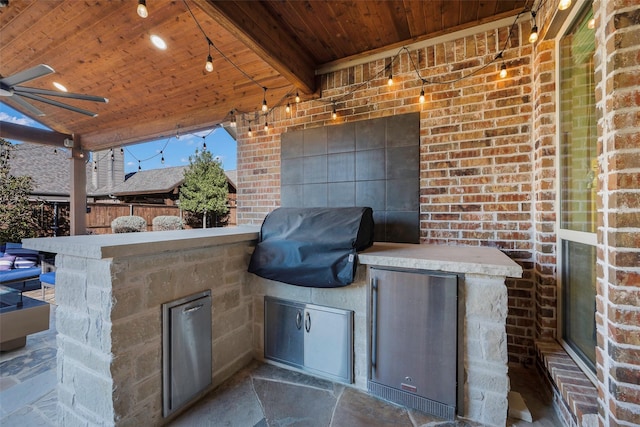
251, 23
30, 134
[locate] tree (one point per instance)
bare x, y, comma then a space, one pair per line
205, 190
16, 218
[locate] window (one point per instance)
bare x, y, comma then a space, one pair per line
577, 191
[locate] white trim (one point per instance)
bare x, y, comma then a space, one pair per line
578, 236
331, 67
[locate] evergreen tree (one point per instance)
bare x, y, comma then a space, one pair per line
16, 218
205, 191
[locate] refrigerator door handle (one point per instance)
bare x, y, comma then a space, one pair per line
374, 322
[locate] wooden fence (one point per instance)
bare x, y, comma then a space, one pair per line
100, 215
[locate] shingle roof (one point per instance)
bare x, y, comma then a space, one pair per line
50, 171
151, 181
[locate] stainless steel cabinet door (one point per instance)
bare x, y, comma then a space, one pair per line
328, 342
283, 331
413, 333
190, 350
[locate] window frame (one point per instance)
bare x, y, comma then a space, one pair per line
583, 237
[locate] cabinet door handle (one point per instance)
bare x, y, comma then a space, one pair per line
374, 322
192, 309
299, 319
307, 321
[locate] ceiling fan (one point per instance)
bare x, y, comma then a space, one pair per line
10, 87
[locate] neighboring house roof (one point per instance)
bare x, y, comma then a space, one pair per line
52, 175
232, 177
154, 181
151, 181
50, 171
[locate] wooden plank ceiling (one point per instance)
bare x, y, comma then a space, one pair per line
102, 48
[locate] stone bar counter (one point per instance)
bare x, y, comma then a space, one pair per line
110, 289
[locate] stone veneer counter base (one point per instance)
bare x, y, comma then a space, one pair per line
110, 289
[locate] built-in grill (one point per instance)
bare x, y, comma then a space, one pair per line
315, 247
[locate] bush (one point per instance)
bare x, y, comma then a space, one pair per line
166, 222
128, 224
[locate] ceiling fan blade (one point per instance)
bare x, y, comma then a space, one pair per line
27, 106
23, 89
57, 104
26, 75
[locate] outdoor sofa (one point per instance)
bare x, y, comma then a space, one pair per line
20, 268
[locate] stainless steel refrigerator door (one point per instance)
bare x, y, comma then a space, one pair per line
414, 333
190, 353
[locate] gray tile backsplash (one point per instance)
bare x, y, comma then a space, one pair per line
372, 163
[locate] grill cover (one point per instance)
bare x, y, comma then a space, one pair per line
313, 247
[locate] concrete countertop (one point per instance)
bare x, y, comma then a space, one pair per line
101, 246
452, 259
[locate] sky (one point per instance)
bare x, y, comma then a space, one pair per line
175, 150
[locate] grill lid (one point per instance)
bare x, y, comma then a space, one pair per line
314, 247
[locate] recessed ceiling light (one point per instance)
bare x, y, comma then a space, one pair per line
60, 87
158, 42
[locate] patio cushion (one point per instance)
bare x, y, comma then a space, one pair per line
25, 258
19, 274
49, 277
6, 262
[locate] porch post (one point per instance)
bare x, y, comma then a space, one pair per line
78, 200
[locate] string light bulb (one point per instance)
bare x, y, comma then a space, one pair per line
250, 132
503, 71
334, 113
209, 64
390, 81
95, 165
533, 37
421, 99
55, 151
266, 126
142, 9
264, 101
121, 150
297, 98
139, 167
204, 144
564, 4
162, 157
233, 123
288, 108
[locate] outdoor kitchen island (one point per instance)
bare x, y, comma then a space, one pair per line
110, 289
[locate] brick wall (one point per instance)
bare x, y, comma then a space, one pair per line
476, 151
618, 267
544, 185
